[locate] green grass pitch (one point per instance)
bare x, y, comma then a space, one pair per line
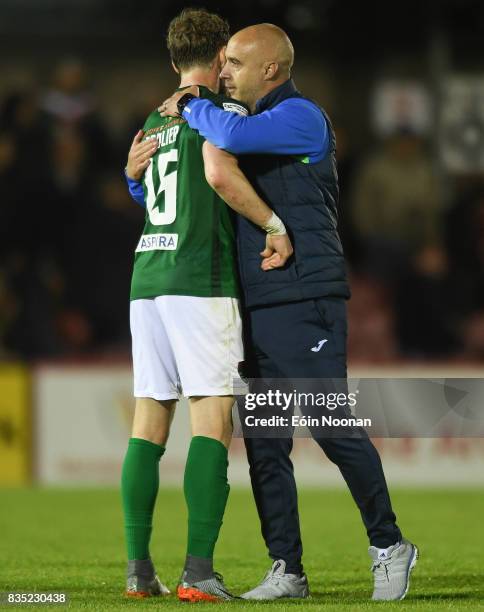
72, 541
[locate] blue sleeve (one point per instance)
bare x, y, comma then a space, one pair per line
294, 127
136, 190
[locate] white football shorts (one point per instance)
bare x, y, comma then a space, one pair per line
185, 345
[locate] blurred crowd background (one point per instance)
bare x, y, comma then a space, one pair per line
404, 86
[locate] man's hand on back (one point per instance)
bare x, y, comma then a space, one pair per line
277, 252
139, 156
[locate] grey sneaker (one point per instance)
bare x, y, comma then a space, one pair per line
142, 580
210, 589
278, 584
391, 570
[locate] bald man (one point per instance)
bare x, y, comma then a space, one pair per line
295, 318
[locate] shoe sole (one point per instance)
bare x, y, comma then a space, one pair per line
139, 594
144, 594
193, 595
275, 598
412, 564
303, 595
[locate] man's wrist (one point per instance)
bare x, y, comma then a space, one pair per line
130, 178
183, 101
274, 226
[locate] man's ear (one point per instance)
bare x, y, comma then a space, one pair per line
173, 65
271, 70
221, 56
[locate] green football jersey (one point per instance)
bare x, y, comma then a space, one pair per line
188, 241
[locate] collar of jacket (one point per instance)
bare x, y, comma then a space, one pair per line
277, 95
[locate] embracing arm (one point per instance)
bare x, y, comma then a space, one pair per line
225, 177
294, 127
139, 157
135, 189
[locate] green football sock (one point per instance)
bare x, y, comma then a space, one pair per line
139, 488
206, 491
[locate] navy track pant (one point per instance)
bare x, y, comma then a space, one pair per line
279, 339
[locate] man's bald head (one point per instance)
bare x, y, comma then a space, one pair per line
259, 59
270, 43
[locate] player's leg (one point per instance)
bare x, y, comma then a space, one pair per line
155, 389
152, 420
211, 417
207, 341
140, 474
206, 491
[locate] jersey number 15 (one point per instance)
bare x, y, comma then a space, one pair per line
167, 185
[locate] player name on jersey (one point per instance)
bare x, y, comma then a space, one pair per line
166, 137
